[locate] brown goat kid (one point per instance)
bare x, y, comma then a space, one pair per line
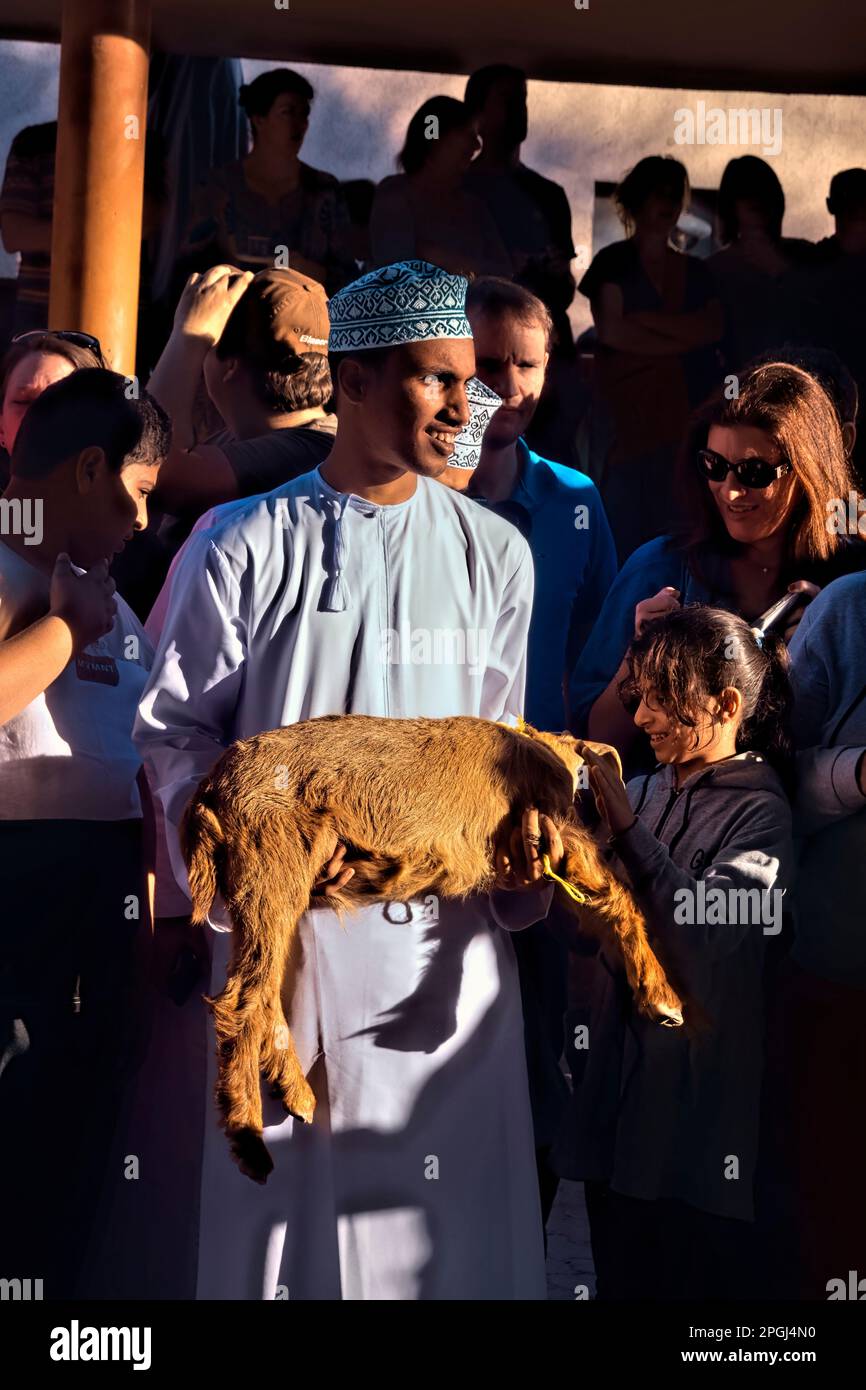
419, 804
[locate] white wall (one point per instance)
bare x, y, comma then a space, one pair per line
29, 79
578, 133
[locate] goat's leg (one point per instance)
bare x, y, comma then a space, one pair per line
613, 911
268, 879
280, 1064
239, 1026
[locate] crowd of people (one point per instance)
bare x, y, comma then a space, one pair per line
334, 496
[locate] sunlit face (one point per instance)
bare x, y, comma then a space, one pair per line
285, 125
27, 381
750, 514
671, 741
413, 404
511, 358
116, 507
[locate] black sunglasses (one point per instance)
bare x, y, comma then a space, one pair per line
754, 473
66, 335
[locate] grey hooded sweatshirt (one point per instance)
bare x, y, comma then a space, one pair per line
665, 1112
828, 672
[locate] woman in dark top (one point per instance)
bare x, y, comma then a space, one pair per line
752, 534
269, 200
657, 317
759, 273
428, 213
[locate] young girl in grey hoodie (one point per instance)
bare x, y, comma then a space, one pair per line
666, 1119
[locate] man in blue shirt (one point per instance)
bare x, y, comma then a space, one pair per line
562, 517
557, 508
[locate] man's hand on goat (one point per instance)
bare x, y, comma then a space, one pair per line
334, 876
520, 851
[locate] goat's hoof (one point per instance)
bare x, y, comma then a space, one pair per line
666, 1015
300, 1102
251, 1154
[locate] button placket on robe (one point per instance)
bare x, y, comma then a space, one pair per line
386, 604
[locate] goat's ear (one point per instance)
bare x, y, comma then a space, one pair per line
606, 751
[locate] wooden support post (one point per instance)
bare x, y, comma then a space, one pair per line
99, 179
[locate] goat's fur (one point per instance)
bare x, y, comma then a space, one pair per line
418, 804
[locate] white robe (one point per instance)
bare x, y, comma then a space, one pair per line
417, 1178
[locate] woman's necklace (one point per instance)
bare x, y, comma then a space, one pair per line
754, 582
773, 568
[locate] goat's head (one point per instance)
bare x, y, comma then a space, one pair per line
569, 750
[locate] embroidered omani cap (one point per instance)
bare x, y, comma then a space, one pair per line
483, 405
409, 302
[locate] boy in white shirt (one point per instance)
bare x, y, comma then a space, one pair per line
73, 663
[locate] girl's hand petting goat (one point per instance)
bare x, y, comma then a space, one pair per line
609, 791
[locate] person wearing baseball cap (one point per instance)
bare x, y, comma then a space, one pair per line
365, 587
259, 342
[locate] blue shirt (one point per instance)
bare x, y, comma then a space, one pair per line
659, 564
828, 673
563, 518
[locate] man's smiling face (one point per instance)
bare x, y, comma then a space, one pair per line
415, 403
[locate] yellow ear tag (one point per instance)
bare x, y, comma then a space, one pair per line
570, 889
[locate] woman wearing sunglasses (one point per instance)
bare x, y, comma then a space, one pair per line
33, 361
758, 477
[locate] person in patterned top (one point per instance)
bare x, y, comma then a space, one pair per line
249, 209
